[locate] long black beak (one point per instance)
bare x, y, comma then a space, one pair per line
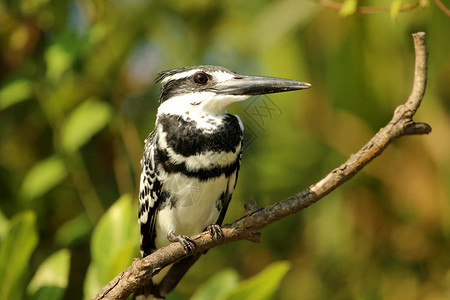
258, 85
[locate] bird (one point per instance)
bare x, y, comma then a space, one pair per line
191, 160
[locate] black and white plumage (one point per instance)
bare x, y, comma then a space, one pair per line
191, 159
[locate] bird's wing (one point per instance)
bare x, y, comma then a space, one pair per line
230, 189
149, 193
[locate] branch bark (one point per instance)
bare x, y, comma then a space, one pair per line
247, 227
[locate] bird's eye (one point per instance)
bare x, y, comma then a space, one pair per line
200, 78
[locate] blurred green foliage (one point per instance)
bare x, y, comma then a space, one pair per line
77, 99
113, 245
52, 277
225, 286
15, 251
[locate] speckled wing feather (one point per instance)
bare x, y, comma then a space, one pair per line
231, 186
149, 193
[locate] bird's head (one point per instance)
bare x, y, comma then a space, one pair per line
210, 89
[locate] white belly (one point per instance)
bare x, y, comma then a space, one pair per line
194, 209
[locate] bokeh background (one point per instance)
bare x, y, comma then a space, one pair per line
77, 99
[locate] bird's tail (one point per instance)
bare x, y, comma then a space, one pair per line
176, 272
148, 292
169, 282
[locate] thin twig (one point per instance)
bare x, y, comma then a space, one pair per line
141, 271
442, 7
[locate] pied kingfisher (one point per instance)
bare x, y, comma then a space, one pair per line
191, 159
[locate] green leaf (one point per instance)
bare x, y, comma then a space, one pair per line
86, 120
15, 252
261, 286
31, 7
73, 230
217, 286
396, 7
43, 177
114, 244
52, 277
348, 8
15, 92
424, 3
174, 295
4, 226
58, 59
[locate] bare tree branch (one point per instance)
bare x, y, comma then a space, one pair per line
142, 269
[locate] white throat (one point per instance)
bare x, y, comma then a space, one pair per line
201, 104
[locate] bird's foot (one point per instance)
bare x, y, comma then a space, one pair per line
188, 244
215, 231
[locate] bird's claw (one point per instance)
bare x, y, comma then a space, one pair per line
215, 231
188, 244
